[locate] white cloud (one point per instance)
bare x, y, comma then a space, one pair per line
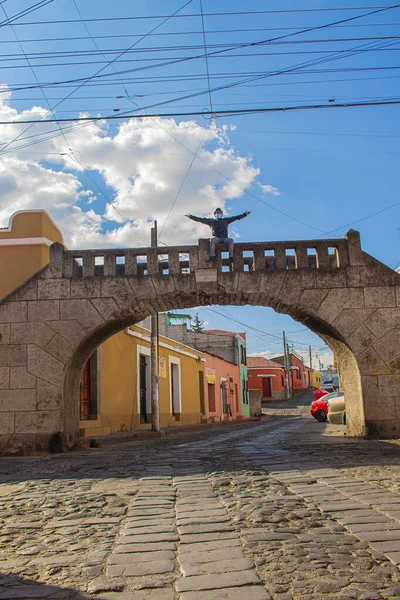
265, 354
141, 166
270, 189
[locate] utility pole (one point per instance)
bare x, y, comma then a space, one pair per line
310, 352
289, 361
155, 406
286, 365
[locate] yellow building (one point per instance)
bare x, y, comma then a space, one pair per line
24, 247
115, 385
316, 379
115, 394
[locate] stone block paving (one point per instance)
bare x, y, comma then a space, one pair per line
252, 513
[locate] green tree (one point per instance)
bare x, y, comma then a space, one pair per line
197, 324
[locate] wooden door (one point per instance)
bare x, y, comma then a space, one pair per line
266, 387
211, 398
143, 388
85, 392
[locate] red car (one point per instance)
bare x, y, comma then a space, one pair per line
319, 408
321, 392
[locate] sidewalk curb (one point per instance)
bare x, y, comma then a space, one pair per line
129, 436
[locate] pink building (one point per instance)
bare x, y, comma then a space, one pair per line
222, 393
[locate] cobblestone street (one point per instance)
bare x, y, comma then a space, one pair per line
288, 509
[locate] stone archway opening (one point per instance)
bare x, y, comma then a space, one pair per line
347, 363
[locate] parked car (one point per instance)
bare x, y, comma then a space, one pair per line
319, 409
319, 393
329, 387
336, 408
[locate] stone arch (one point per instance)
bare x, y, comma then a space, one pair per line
51, 324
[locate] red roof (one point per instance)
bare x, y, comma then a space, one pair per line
261, 362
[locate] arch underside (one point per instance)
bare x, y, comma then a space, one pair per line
137, 312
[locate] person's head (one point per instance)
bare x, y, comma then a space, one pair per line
218, 214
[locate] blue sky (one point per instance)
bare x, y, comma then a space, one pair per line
104, 184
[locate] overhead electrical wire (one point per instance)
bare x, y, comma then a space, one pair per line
206, 113
13, 19
99, 74
106, 66
215, 14
185, 33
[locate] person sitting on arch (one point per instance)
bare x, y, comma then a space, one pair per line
219, 228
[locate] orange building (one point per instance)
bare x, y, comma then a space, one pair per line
222, 380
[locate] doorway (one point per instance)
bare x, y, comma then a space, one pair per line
143, 377
266, 387
175, 389
84, 391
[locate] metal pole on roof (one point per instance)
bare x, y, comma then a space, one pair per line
155, 405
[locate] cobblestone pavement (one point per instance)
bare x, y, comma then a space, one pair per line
285, 509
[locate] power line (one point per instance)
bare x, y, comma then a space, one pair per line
215, 14
103, 68
186, 33
251, 44
206, 113
12, 20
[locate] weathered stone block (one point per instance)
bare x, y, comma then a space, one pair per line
388, 348
44, 310
13, 312
87, 287
389, 385
383, 320
45, 366
361, 339
54, 289
120, 290
312, 299
335, 278
362, 276
72, 331
27, 291
107, 307
48, 396
381, 408
370, 363
142, 288
163, 284
80, 310
5, 333
4, 378
13, 356
6, 422
350, 319
43, 421
380, 297
17, 400
370, 386
21, 379
59, 348
31, 333
338, 299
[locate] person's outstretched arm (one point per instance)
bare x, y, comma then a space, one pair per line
199, 219
238, 217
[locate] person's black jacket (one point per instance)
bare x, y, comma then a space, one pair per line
219, 227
